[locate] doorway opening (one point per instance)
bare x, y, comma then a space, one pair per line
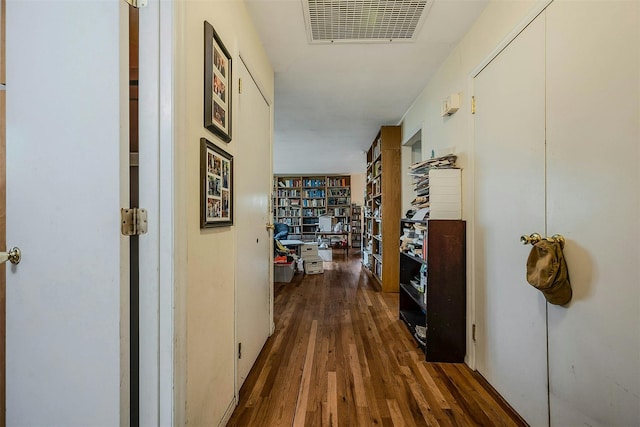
134, 293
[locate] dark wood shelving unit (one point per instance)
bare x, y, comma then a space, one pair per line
442, 307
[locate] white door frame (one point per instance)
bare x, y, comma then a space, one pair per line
156, 183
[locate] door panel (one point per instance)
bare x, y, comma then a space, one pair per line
63, 200
593, 134
509, 188
253, 192
3, 213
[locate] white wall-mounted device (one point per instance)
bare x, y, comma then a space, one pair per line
450, 105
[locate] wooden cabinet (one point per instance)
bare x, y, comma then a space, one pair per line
433, 286
301, 200
382, 207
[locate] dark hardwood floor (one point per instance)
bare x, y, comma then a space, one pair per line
340, 356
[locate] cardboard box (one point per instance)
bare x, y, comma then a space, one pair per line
309, 250
313, 265
283, 272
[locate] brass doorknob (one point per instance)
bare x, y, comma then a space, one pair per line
270, 226
14, 256
531, 239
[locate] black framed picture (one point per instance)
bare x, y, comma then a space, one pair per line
217, 84
216, 186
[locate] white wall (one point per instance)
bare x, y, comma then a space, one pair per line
410, 143
358, 184
205, 258
442, 134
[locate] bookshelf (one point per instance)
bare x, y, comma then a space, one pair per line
300, 200
314, 202
287, 203
382, 205
356, 226
432, 300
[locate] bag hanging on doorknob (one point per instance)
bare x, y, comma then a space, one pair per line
547, 272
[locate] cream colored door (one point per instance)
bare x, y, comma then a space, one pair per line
593, 198
591, 173
66, 183
252, 163
3, 210
510, 196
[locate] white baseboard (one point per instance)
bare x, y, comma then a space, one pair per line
227, 414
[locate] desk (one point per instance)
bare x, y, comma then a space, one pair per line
293, 244
335, 233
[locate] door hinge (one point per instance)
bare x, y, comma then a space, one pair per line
473, 105
240, 86
239, 350
473, 332
137, 3
134, 221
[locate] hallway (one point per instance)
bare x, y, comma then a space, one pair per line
340, 356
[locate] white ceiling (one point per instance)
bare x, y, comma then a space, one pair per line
331, 99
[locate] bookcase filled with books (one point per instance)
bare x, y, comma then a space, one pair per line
300, 200
432, 300
314, 202
287, 203
382, 208
356, 226
339, 199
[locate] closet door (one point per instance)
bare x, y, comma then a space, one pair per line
510, 201
254, 299
593, 193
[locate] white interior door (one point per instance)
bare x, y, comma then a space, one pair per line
64, 192
252, 164
593, 193
509, 201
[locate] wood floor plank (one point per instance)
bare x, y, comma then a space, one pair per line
340, 356
396, 414
332, 400
305, 383
431, 386
356, 372
425, 408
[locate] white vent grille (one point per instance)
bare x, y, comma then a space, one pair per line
357, 21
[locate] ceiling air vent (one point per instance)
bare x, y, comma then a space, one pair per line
361, 21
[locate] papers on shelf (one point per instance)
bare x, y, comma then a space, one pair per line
448, 161
421, 214
428, 202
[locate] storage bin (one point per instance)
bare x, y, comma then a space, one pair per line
313, 265
283, 272
309, 250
